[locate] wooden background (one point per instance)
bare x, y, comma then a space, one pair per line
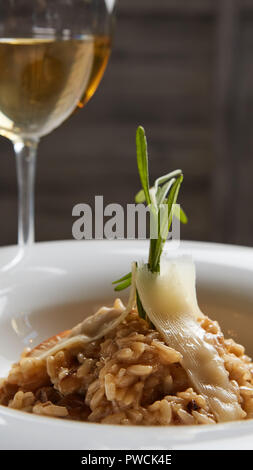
184, 70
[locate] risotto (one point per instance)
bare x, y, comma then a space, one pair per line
130, 376
156, 361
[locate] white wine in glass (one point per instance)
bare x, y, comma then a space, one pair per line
43, 80
52, 57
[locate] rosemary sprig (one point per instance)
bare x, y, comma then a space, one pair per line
156, 251
164, 192
142, 161
123, 282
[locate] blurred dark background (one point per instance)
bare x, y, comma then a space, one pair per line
184, 70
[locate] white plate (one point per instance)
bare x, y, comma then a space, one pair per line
79, 274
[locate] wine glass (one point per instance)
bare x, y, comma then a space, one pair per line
53, 54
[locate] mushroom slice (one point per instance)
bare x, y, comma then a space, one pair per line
90, 329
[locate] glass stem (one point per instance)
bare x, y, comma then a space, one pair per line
25, 151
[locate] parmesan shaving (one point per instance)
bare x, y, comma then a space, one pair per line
170, 302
